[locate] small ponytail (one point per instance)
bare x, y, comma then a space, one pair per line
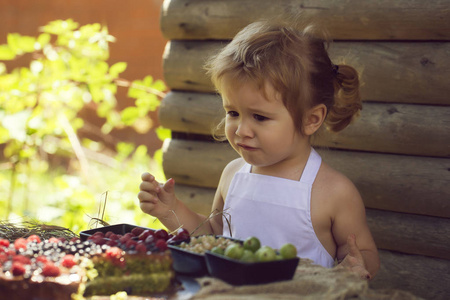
347, 99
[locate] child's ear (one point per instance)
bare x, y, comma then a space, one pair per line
314, 118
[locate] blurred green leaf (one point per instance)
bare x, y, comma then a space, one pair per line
6, 53
117, 68
163, 133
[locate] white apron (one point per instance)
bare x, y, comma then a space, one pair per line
275, 210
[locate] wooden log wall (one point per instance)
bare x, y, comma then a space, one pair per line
398, 151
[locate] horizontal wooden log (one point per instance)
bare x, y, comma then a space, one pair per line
187, 112
390, 72
406, 233
353, 19
422, 276
388, 128
409, 184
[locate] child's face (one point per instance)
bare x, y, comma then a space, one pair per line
261, 130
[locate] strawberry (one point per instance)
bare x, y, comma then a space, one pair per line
34, 238
20, 243
68, 261
17, 269
50, 270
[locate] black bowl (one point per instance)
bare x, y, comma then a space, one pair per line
241, 273
117, 229
186, 262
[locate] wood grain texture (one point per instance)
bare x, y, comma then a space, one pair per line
409, 72
400, 183
352, 19
382, 127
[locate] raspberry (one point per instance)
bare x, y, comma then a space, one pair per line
4, 243
34, 238
41, 259
68, 261
17, 269
21, 259
137, 231
161, 245
20, 243
140, 247
53, 240
114, 253
130, 244
50, 270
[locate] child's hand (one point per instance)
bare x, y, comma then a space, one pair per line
157, 199
354, 261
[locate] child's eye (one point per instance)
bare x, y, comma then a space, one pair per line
259, 117
232, 113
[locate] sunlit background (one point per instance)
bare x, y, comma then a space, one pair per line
80, 82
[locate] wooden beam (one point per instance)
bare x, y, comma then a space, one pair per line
399, 183
346, 20
422, 276
390, 71
382, 127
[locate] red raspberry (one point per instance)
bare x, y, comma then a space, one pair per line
50, 270
53, 240
141, 248
108, 234
17, 269
137, 231
130, 244
161, 245
20, 243
4, 243
68, 261
112, 243
34, 238
114, 252
21, 259
41, 259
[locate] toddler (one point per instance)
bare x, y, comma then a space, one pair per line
279, 87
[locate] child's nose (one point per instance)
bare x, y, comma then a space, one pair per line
243, 129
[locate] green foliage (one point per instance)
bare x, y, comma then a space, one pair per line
39, 117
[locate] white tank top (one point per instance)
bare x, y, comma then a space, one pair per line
275, 210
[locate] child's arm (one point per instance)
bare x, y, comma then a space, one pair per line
160, 201
356, 249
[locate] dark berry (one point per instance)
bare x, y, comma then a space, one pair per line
137, 231
161, 245
146, 233
150, 240
17, 269
140, 247
161, 234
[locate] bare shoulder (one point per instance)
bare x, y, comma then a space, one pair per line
334, 187
228, 172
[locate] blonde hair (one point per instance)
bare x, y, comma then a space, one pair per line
296, 63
